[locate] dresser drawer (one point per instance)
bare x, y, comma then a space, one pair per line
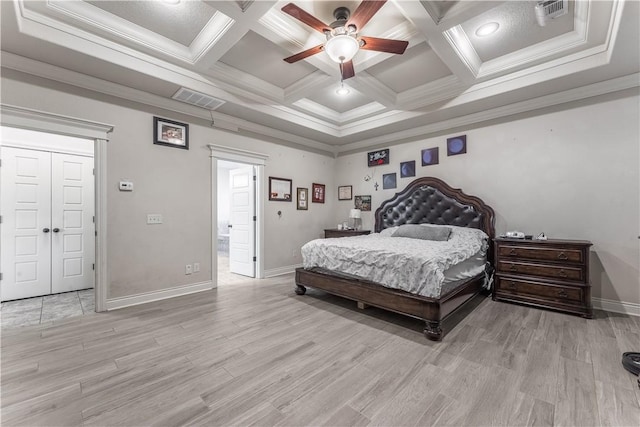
542, 254
525, 288
543, 270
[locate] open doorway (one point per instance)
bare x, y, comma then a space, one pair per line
236, 227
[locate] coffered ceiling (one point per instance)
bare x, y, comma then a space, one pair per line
449, 77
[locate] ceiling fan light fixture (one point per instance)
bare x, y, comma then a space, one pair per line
487, 29
342, 91
342, 48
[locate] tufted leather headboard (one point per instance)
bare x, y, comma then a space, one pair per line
432, 201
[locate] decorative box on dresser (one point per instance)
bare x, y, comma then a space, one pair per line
544, 273
334, 232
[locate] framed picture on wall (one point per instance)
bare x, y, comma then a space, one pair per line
388, 181
170, 133
302, 201
345, 192
363, 203
430, 156
280, 189
408, 169
457, 145
377, 158
317, 193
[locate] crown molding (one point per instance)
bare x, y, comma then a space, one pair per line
51, 72
576, 94
28, 118
429, 93
249, 85
305, 86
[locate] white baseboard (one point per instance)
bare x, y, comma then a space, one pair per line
630, 308
281, 270
146, 297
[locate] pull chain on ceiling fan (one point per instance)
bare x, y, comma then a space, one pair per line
343, 42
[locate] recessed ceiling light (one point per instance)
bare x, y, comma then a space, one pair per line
487, 29
343, 91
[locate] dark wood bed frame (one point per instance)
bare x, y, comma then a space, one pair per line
425, 200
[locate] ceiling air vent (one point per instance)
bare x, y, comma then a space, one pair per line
198, 99
550, 9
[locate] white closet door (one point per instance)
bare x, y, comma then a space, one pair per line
242, 234
72, 210
26, 228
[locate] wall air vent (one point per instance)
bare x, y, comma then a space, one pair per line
550, 9
198, 99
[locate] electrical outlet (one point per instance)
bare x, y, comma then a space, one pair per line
154, 219
196, 267
188, 269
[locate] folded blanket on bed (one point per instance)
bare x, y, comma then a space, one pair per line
413, 265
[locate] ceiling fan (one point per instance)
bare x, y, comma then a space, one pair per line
343, 41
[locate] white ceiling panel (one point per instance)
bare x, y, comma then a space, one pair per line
518, 29
419, 65
180, 22
263, 59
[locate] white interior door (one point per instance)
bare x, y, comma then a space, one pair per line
26, 223
72, 233
242, 234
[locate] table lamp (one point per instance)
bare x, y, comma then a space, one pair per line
354, 216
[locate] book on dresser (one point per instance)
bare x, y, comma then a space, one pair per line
550, 274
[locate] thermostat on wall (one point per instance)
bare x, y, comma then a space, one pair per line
126, 186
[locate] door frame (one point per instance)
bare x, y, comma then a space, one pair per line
41, 121
251, 158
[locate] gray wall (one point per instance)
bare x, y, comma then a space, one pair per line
177, 184
570, 173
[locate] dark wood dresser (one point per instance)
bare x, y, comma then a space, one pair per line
334, 232
544, 273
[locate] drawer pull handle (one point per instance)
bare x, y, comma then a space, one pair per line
513, 252
562, 255
562, 273
562, 293
513, 267
512, 285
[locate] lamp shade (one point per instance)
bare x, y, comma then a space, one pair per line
341, 48
355, 213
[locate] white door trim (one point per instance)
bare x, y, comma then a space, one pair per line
26, 118
219, 152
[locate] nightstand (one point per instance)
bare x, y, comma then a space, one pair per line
334, 232
544, 273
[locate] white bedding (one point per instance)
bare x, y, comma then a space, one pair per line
413, 265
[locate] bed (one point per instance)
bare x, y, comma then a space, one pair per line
426, 200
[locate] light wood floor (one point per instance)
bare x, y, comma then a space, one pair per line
257, 354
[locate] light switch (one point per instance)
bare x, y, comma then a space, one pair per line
126, 186
154, 218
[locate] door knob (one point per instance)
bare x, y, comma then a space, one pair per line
45, 230
230, 226
55, 230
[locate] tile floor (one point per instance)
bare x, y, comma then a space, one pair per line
48, 308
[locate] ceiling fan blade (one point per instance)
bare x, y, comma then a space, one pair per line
384, 45
304, 54
346, 68
365, 12
305, 17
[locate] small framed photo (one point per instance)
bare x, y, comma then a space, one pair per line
303, 199
377, 158
317, 193
457, 145
363, 203
408, 169
388, 181
345, 192
430, 156
280, 189
170, 133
